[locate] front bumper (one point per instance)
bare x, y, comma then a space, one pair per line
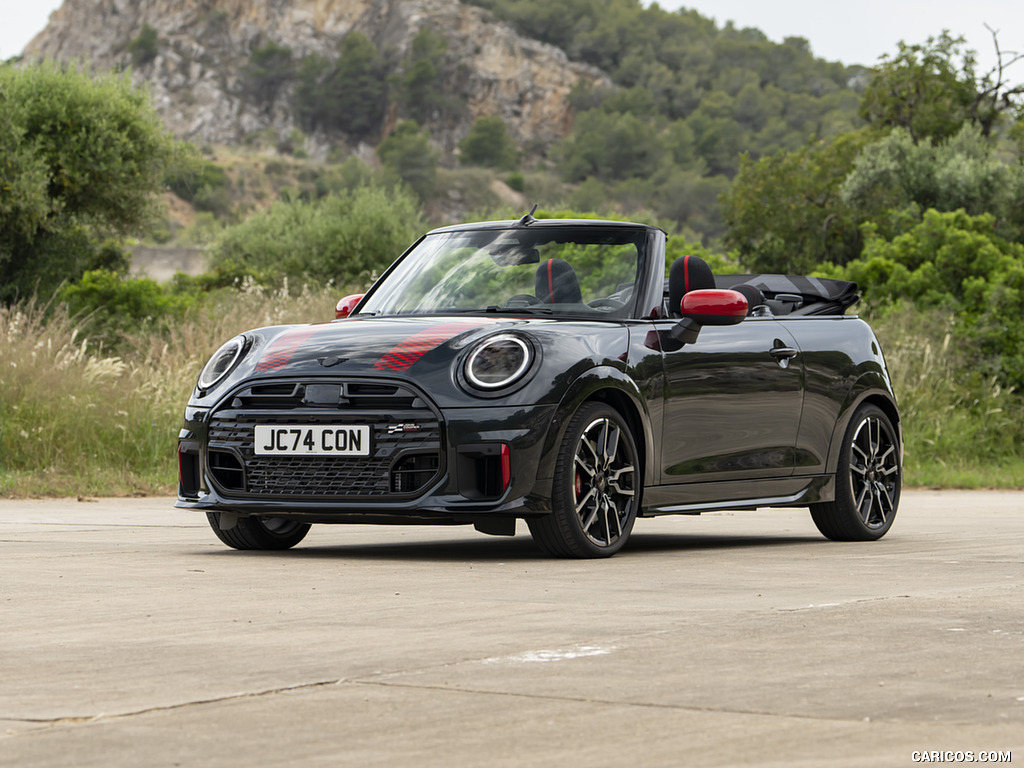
425, 464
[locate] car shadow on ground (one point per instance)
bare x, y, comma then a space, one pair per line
519, 548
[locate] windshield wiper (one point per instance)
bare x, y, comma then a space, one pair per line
531, 310
494, 309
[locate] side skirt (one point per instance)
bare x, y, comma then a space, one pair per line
695, 498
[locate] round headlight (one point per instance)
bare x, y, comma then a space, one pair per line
222, 363
498, 361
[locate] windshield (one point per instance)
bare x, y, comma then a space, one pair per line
574, 270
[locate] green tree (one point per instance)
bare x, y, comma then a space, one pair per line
361, 87
82, 158
344, 238
931, 90
408, 154
270, 66
313, 100
690, 198
349, 95
609, 147
418, 86
784, 212
718, 138
961, 172
489, 144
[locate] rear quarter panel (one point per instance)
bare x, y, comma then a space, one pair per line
843, 367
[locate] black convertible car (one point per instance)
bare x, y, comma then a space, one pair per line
547, 370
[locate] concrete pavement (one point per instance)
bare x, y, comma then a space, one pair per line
132, 637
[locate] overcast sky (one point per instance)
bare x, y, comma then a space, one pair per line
854, 32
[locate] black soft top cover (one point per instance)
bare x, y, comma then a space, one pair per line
798, 295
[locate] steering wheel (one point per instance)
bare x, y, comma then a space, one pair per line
606, 305
522, 300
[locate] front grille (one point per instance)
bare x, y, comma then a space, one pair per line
406, 445
358, 395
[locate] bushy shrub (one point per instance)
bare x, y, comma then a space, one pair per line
955, 261
489, 144
341, 238
109, 306
144, 48
408, 154
188, 181
516, 181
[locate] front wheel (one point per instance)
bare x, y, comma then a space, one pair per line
596, 490
259, 532
868, 481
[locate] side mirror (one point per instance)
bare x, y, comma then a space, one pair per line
714, 307
708, 307
346, 305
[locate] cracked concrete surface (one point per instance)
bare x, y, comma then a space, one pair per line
131, 636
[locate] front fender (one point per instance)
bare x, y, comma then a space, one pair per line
609, 385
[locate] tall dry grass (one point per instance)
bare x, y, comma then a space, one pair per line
961, 426
77, 420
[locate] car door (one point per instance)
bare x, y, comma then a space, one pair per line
732, 403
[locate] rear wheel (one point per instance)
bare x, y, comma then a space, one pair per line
868, 481
259, 532
596, 489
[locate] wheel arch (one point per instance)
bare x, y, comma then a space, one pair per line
639, 426
612, 387
871, 388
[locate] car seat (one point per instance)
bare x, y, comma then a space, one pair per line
556, 283
687, 273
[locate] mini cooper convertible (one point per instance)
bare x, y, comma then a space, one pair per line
547, 370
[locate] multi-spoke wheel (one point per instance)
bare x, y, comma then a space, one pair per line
868, 481
259, 532
596, 487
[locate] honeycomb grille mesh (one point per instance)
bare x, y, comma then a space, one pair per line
398, 438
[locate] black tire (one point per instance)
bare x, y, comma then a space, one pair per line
259, 532
868, 481
597, 485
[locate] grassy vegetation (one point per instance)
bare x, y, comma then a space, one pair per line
961, 428
77, 420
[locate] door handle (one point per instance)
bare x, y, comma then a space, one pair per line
783, 355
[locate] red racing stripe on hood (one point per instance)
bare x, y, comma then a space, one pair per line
281, 349
406, 353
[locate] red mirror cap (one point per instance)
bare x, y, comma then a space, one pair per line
346, 305
714, 307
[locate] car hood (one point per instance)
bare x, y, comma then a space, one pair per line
385, 345
423, 351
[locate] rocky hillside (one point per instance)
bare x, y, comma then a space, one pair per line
196, 62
